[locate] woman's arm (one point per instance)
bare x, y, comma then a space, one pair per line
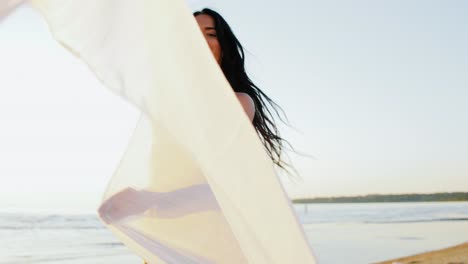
248, 104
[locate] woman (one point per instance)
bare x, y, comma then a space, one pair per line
229, 54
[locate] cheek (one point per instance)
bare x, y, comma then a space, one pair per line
215, 48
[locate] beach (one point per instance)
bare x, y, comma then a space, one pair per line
451, 255
338, 233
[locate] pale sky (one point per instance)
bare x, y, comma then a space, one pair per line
376, 90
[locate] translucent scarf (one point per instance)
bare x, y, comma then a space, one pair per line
195, 184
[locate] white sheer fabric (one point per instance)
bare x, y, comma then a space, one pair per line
195, 184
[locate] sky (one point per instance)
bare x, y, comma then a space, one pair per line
376, 93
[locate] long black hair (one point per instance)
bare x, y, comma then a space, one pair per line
232, 65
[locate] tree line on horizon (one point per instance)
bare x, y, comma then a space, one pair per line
386, 198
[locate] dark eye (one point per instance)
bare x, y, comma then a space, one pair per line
212, 35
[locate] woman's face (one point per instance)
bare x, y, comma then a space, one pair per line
207, 26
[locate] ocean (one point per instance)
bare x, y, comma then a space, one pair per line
338, 233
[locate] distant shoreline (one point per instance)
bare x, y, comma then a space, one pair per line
389, 198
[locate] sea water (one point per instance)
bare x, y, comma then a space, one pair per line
338, 233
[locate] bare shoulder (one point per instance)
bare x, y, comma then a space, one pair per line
247, 103
244, 97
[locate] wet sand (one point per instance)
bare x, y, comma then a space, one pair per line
452, 255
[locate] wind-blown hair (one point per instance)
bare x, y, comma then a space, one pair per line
232, 65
